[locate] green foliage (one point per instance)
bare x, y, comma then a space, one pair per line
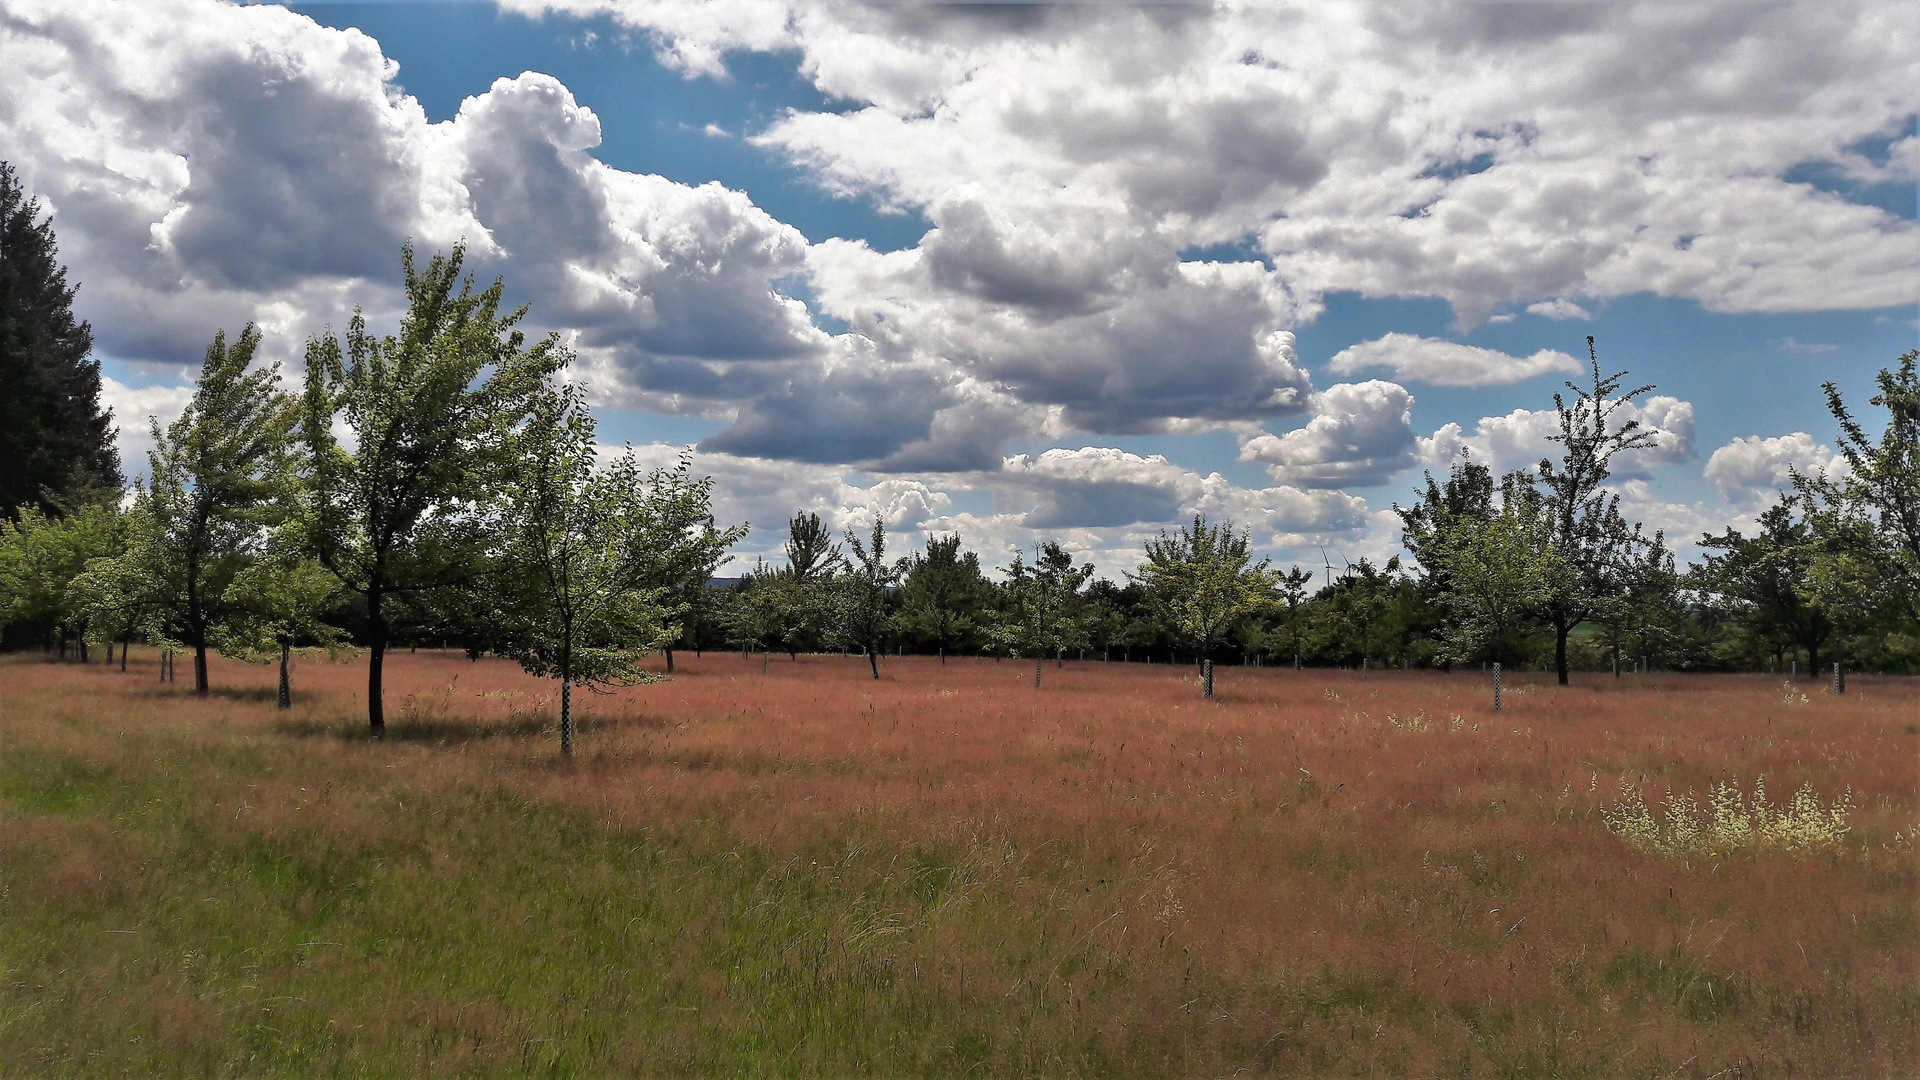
41, 555
942, 592
222, 476
1869, 523
1041, 609
862, 602
1590, 540
1762, 578
1497, 569
408, 510
588, 552
1201, 580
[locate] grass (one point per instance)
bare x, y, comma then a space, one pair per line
808, 873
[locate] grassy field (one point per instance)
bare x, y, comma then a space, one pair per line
808, 873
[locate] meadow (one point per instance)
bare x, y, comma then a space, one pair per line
946, 872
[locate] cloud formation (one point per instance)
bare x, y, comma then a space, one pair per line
1520, 439
1360, 436
1447, 363
1751, 470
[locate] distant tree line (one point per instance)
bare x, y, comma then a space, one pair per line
443, 486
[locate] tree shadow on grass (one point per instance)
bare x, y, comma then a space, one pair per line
446, 730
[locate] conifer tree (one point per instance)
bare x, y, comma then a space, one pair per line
54, 437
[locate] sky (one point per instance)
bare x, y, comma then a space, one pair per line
1029, 272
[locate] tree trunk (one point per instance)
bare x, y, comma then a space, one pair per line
566, 717
376, 708
376, 660
1560, 633
286, 685
669, 654
200, 669
126, 642
943, 656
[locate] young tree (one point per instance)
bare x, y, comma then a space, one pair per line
1590, 540
406, 512
1040, 606
41, 555
588, 546
1649, 615
863, 616
1497, 570
1290, 591
54, 437
942, 592
119, 596
220, 475
1882, 486
276, 603
1765, 577
1202, 580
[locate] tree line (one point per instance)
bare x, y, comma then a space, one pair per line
443, 485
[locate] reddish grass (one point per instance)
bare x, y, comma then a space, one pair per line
1283, 879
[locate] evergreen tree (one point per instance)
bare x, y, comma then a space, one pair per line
53, 434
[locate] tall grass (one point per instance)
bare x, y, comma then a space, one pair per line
944, 873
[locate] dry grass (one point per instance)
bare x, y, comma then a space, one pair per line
945, 872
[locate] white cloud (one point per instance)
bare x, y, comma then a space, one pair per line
1751, 469
1558, 309
1489, 156
1360, 435
1520, 439
134, 410
1447, 363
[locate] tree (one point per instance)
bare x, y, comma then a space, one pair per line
120, 596
220, 474
1590, 540
694, 546
274, 604
1202, 580
40, 556
1765, 577
589, 548
941, 593
1649, 614
406, 512
54, 437
1290, 591
754, 613
863, 615
1882, 485
1039, 613
1497, 570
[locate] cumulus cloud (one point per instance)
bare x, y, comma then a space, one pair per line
134, 411
1360, 435
1751, 469
1447, 363
1520, 439
1558, 309
1548, 152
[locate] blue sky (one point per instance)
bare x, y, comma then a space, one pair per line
1020, 199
